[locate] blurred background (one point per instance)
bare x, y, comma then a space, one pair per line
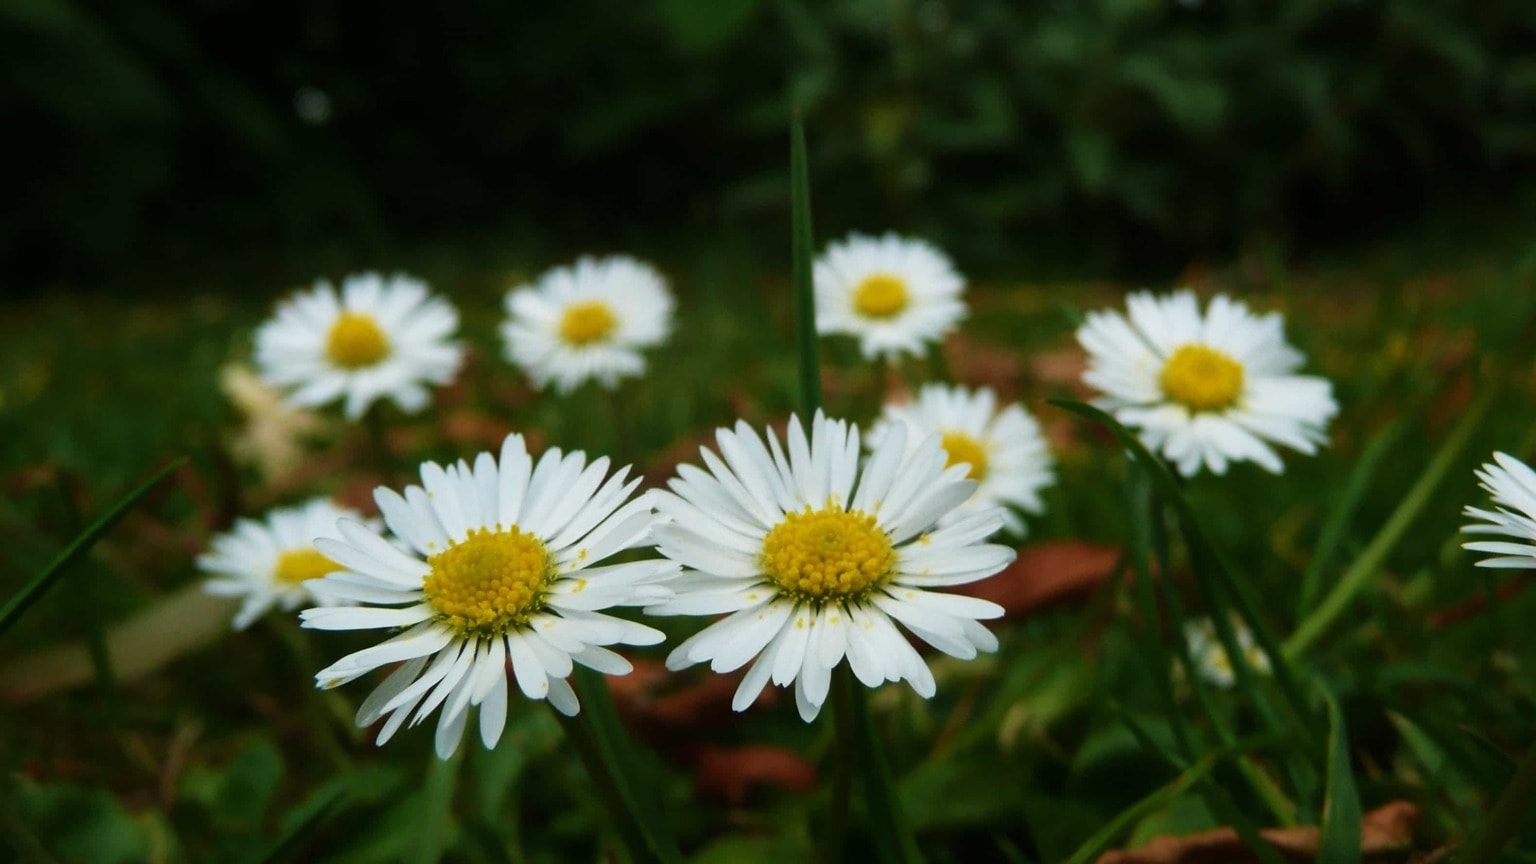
152, 144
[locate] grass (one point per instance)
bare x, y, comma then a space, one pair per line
1067, 737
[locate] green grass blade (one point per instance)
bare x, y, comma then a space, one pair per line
1114, 828
33, 591
1340, 839
437, 808
320, 810
1365, 567
1158, 655
1332, 535
1212, 571
894, 841
801, 254
1508, 816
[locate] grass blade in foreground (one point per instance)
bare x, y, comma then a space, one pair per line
23, 599
1128, 817
1508, 815
893, 835
1338, 519
1339, 842
1207, 563
1359, 574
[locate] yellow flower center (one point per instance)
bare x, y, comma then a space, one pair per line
587, 322
356, 341
490, 583
1202, 378
296, 566
880, 295
963, 448
826, 554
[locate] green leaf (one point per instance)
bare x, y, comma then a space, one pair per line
79, 824
435, 816
699, 26
236, 794
303, 821
34, 590
1340, 839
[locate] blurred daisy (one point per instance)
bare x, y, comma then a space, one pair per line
1004, 450
587, 322
267, 562
816, 559
1513, 486
272, 437
503, 568
896, 295
380, 337
1211, 659
1205, 389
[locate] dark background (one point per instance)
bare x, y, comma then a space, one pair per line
150, 143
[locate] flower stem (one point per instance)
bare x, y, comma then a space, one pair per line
892, 834
1509, 815
842, 782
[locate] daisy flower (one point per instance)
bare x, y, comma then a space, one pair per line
587, 322
1513, 486
1005, 450
897, 295
379, 337
817, 559
267, 562
1205, 389
502, 568
1210, 657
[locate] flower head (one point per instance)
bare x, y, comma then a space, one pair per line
379, 337
503, 568
1205, 389
587, 322
267, 562
896, 295
1005, 449
1210, 658
1513, 486
816, 559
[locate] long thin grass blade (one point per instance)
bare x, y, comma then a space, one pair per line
1332, 535
33, 591
1340, 839
801, 253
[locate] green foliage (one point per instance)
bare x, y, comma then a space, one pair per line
154, 135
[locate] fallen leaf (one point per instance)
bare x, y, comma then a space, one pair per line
1048, 574
1386, 834
730, 773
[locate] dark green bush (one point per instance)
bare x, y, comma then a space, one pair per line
143, 135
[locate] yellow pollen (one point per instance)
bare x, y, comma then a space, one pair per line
1202, 378
827, 554
587, 322
356, 341
299, 565
490, 583
880, 295
963, 448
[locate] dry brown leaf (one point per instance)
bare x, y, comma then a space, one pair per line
1048, 574
729, 773
1386, 835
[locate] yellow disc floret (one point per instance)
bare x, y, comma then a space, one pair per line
587, 322
356, 341
1202, 378
960, 447
827, 554
490, 583
880, 295
298, 565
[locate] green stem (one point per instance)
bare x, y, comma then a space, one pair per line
1359, 574
627, 447
800, 263
892, 834
847, 762
1509, 815
437, 810
616, 799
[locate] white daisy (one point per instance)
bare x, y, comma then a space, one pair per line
1205, 389
1210, 657
1513, 486
503, 568
587, 322
1005, 450
897, 295
382, 336
267, 562
816, 559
